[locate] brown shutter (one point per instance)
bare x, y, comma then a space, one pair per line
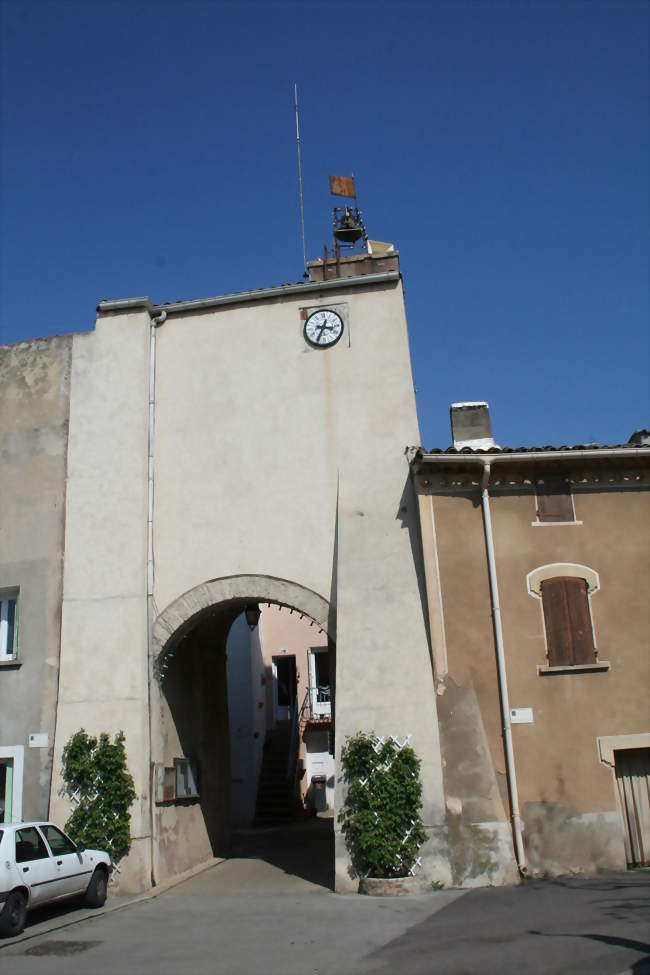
569, 637
556, 621
580, 621
554, 501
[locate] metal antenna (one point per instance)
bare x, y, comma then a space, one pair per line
302, 209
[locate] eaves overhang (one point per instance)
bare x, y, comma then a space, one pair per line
421, 461
243, 297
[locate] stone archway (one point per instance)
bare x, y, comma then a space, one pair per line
187, 610
189, 706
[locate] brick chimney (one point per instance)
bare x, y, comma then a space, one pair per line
380, 257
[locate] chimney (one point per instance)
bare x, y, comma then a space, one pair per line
640, 438
470, 426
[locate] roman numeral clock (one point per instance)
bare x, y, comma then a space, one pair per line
323, 328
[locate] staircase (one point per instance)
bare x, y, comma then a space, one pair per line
274, 802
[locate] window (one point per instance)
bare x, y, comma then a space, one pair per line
564, 591
58, 841
554, 501
29, 845
185, 779
567, 618
173, 783
8, 624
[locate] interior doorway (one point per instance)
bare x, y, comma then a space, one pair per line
319, 682
284, 686
11, 783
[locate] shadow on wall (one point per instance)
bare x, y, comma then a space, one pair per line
407, 514
195, 689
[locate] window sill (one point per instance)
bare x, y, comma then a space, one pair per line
10, 664
553, 524
601, 667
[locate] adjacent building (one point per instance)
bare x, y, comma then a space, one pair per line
537, 566
34, 408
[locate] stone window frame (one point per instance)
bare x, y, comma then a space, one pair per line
539, 523
9, 655
552, 570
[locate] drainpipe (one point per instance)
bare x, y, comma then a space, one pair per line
156, 321
501, 666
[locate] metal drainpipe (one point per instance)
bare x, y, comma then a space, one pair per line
156, 322
501, 665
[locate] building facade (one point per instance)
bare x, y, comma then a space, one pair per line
34, 405
182, 464
219, 454
538, 572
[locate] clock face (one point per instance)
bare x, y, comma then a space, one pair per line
323, 328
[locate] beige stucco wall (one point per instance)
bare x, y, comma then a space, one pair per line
34, 398
276, 459
566, 795
103, 682
275, 462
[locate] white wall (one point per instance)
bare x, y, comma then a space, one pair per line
271, 459
103, 677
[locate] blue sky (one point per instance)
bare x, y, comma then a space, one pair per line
149, 148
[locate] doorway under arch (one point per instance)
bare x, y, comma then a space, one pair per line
190, 733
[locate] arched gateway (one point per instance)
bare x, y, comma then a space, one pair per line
231, 595
190, 707
215, 440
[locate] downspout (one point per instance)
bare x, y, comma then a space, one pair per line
156, 321
501, 666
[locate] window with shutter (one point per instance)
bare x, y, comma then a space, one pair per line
567, 618
554, 501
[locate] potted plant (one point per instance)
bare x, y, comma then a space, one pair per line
381, 814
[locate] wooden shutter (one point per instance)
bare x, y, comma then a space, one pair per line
569, 636
554, 501
633, 781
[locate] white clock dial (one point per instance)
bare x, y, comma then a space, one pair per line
323, 328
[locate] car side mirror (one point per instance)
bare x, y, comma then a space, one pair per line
80, 847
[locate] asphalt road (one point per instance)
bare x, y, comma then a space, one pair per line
253, 916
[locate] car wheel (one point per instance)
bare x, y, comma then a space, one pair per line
97, 889
13, 915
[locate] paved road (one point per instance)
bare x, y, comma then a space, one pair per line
262, 914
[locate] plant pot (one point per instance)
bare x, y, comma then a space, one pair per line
390, 886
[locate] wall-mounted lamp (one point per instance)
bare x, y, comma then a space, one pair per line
252, 614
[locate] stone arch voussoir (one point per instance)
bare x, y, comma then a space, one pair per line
182, 613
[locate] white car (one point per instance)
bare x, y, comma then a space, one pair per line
39, 864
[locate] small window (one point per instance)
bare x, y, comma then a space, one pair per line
567, 618
554, 501
8, 624
58, 842
30, 845
185, 779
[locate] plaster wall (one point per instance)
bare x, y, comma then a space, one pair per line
566, 795
34, 399
247, 720
103, 684
279, 460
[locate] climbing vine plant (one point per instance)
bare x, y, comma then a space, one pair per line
381, 815
98, 782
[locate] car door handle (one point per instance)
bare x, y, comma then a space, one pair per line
25, 869
59, 862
